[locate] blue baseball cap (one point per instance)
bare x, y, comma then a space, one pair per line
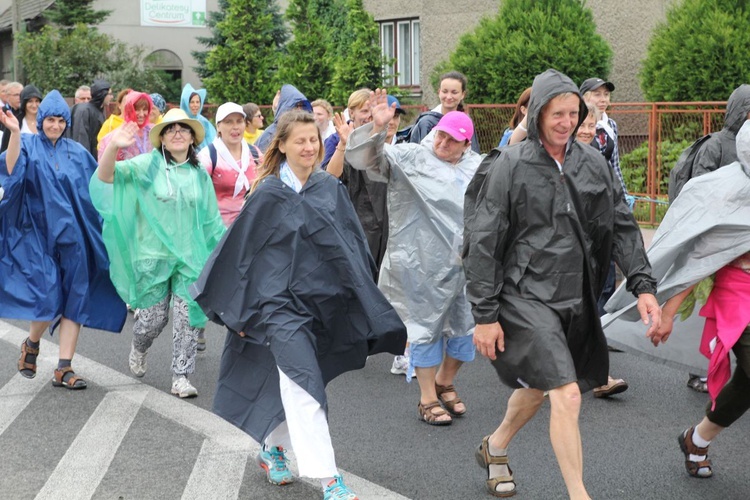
399, 109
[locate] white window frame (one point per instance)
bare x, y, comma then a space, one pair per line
390, 47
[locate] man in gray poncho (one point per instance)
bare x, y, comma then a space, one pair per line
542, 220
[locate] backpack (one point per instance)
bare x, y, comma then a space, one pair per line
682, 171
254, 151
404, 135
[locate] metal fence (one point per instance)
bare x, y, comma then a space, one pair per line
651, 138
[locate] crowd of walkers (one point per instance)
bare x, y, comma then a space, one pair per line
328, 237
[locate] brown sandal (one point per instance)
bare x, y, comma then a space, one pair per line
484, 459
689, 448
449, 405
73, 383
24, 366
430, 412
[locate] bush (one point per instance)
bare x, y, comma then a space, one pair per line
634, 165
699, 53
504, 54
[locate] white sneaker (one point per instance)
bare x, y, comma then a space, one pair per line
400, 365
137, 362
182, 387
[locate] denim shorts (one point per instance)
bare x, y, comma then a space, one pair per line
427, 355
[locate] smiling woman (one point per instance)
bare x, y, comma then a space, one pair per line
53, 263
158, 250
135, 109
230, 161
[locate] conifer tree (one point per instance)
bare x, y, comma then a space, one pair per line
358, 61
243, 67
216, 39
67, 13
307, 63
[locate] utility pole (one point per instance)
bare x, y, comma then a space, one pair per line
15, 16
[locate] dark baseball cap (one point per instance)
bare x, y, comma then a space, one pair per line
594, 83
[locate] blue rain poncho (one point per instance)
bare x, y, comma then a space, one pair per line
52, 258
187, 91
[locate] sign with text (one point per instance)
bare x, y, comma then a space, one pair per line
173, 13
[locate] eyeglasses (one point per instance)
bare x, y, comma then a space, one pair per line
174, 130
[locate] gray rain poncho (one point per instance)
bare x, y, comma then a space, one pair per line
706, 228
538, 243
421, 274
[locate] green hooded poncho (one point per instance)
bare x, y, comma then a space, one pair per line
160, 226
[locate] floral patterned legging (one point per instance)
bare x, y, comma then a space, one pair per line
150, 322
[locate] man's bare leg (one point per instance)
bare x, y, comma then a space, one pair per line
565, 435
522, 406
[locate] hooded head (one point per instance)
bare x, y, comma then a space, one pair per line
129, 108
546, 87
27, 93
99, 91
738, 106
187, 92
290, 99
53, 104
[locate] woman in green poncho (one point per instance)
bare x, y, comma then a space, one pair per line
161, 222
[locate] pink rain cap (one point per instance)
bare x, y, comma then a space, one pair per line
457, 124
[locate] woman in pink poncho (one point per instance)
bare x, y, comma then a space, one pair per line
137, 109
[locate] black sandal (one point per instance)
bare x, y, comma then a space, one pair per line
73, 381
25, 367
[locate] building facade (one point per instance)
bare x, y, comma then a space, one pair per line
419, 34
416, 35
168, 28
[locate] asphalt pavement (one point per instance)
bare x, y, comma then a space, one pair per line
128, 438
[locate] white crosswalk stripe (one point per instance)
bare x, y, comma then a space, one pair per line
88, 458
19, 391
219, 467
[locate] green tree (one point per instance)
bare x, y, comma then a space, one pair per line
307, 64
216, 39
58, 59
526, 37
54, 59
359, 62
699, 53
68, 13
243, 68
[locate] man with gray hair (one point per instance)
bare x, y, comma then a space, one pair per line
543, 218
83, 94
12, 103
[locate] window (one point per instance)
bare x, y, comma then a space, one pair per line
399, 41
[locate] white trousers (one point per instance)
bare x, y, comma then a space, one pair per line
305, 431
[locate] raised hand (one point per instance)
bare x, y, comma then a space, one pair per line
342, 128
381, 112
124, 135
10, 121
